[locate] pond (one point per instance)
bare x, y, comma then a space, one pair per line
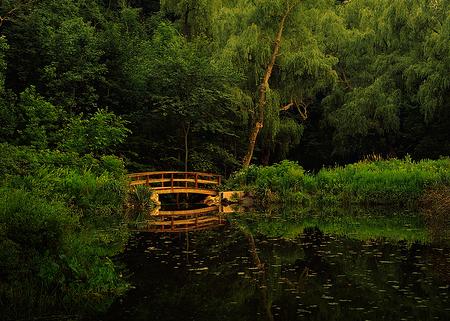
291, 265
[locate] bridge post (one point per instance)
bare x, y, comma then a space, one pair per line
162, 180
171, 181
196, 180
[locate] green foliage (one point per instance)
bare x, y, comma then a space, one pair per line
39, 120
99, 134
34, 121
57, 50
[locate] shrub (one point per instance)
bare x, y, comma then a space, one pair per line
270, 184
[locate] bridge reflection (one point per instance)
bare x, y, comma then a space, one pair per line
176, 221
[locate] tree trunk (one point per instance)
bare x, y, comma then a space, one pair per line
265, 156
259, 123
186, 27
186, 128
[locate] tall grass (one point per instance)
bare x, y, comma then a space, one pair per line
387, 182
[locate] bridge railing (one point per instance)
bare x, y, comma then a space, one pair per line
173, 180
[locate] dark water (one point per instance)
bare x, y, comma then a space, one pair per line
291, 267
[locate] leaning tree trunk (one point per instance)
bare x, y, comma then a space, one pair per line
263, 87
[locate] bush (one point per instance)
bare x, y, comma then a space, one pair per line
276, 183
61, 218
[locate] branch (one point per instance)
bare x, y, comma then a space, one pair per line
345, 80
303, 111
286, 107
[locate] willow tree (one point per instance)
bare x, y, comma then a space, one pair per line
274, 47
394, 71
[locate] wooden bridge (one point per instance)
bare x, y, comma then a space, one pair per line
178, 182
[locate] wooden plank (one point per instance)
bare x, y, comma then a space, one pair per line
159, 173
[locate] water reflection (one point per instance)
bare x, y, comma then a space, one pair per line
291, 266
189, 219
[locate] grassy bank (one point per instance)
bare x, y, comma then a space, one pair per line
383, 182
60, 222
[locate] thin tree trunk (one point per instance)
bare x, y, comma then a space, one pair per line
186, 128
259, 123
265, 156
186, 27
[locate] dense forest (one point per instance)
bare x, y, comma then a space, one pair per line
91, 89
189, 81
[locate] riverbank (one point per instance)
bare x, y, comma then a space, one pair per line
61, 220
391, 182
